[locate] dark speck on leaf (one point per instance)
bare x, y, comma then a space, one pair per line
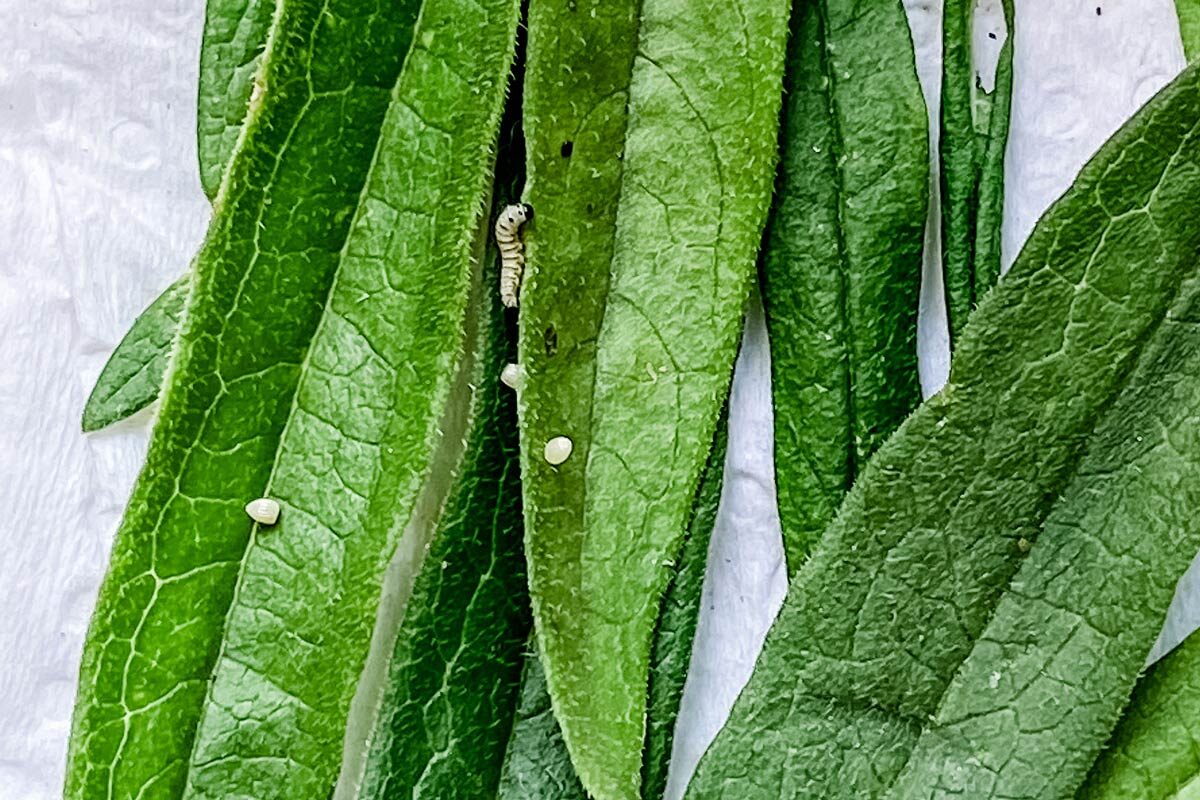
591, 209
991, 35
567, 149
1098, 11
551, 339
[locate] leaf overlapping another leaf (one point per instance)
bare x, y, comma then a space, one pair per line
1067, 416
841, 264
1153, 753
235, 36
638, 363
325, 359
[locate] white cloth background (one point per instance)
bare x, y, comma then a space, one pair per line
101, 208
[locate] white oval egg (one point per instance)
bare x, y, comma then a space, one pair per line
510, 376
264, 510
558, 450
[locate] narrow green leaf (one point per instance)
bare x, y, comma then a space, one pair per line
323, 361
451, 687
911, 654
235, 36
670, 202
842, 261
1152, 755
973, 140
671, 655
131, 379
537, 765
1189, 26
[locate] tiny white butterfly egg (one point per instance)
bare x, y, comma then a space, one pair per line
511, 376
264, 510
558, 450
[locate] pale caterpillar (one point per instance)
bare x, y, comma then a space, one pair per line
512, 252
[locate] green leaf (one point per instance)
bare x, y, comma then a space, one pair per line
973, 139
131, 379
1189, 26
235, 36
920, 651
451, 687
670, 201
324, 361
671, 655
1152, 755
537, 765
842, 261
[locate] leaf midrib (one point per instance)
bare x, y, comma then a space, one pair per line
253, 116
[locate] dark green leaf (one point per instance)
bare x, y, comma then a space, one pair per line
921, 652
842, 260
973, 139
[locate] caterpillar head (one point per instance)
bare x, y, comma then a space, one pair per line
518, 214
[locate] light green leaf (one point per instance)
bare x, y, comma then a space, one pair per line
325, 361
235, 36
669, 201
671, 655
921, 653
842, 261
1189, 26
973, 139
131, 379
1153, 755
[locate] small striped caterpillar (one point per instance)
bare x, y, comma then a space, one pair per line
512, 252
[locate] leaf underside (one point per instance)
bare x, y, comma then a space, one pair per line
841, 264
921, 652
325, 345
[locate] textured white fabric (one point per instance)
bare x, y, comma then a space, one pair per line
101, 208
